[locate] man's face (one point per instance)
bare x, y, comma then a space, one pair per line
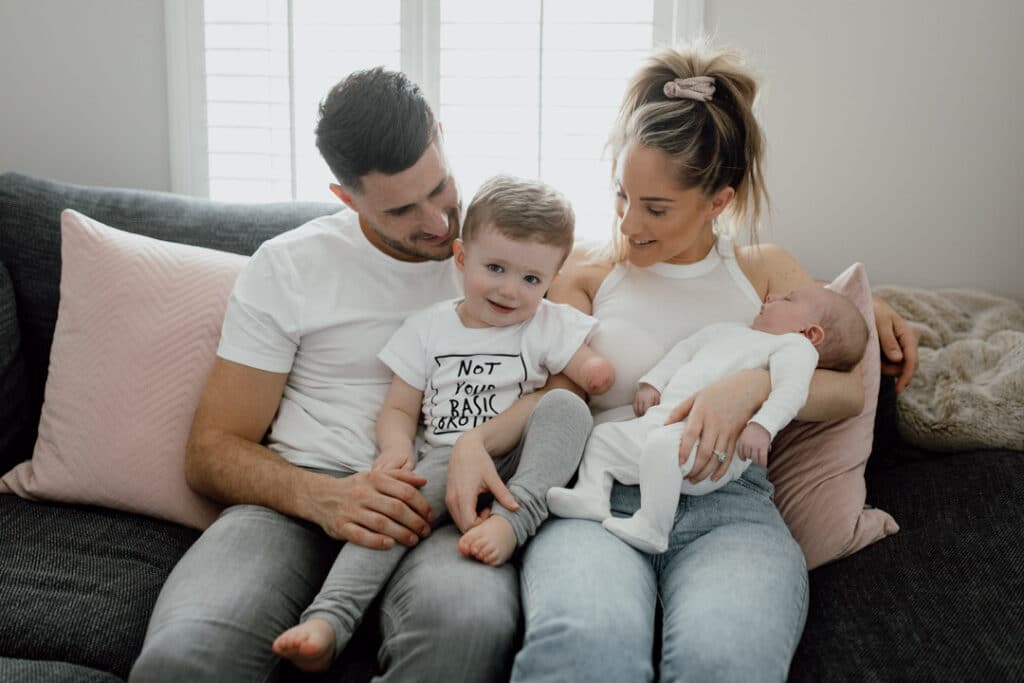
412, 215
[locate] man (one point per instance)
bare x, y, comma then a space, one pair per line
298, 358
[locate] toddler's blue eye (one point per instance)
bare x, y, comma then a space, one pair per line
532, 279
495, 268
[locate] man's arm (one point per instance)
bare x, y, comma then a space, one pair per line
225, 461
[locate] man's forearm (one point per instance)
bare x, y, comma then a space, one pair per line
232, 470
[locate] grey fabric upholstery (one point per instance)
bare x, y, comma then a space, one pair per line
14, 428
78, 584
31, 671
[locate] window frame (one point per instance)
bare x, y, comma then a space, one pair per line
184, 28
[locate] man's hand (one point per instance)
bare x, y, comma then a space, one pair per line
754, 443
898, 342
646, 398
715, 416
394, 459
471, 472
373, 509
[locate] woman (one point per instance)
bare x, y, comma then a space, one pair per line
732, 586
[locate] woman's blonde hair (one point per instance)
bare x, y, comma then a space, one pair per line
714, 143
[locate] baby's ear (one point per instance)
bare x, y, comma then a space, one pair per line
459, 252
815, 334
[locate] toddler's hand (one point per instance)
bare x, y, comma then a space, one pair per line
646, 398
394, 460
754, 443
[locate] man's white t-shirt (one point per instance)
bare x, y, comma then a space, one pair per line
319, 302
469, 375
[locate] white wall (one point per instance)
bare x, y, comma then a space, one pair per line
84, 91
896, 134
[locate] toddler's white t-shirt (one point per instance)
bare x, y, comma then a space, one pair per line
469, 375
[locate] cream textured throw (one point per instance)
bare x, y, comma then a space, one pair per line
969, 390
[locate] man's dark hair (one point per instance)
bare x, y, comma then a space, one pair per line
373, 120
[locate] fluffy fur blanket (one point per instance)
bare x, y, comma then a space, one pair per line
969, 390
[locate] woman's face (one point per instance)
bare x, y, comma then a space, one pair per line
659, 220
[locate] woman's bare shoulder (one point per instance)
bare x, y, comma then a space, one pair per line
581, 275
771, 269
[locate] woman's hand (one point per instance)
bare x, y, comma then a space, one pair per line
898, 342
471, 472
715, 416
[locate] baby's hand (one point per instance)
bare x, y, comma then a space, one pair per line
394, 459
754, 443
646, 398
598, 375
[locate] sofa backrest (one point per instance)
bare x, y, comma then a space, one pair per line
30, 252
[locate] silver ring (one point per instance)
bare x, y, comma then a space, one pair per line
720, 455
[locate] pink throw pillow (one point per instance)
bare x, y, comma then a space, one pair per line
818, 467
137, 330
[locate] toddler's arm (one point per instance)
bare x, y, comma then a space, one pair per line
646, 398
396, 426
590, 370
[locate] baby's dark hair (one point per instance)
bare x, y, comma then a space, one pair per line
521, 210
846, 333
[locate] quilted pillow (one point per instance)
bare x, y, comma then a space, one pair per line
818, 467
137, 330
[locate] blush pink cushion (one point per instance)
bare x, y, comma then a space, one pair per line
818, 467
137, 331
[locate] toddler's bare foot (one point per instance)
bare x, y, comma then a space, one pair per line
310, 645
492, 542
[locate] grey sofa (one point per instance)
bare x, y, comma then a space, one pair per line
941, 600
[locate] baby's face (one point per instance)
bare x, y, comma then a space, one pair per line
504, 279
793, 312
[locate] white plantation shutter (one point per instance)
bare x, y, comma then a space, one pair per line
527, 87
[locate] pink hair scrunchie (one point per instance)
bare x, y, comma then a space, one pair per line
699, 88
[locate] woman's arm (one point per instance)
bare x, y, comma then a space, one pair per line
833, 395
717, 414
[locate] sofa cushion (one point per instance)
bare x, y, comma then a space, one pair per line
13, 381
30, 243
31, 671
941, 600
136, 334
818, 467
78, 584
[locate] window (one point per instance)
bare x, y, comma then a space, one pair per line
528, 87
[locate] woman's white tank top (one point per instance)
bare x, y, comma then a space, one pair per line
644, 312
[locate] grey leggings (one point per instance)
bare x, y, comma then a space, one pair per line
547, 456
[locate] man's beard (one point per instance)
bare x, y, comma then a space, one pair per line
439, 252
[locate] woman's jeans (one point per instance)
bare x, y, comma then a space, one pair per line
732, 589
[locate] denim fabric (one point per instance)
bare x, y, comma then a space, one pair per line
732, 589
